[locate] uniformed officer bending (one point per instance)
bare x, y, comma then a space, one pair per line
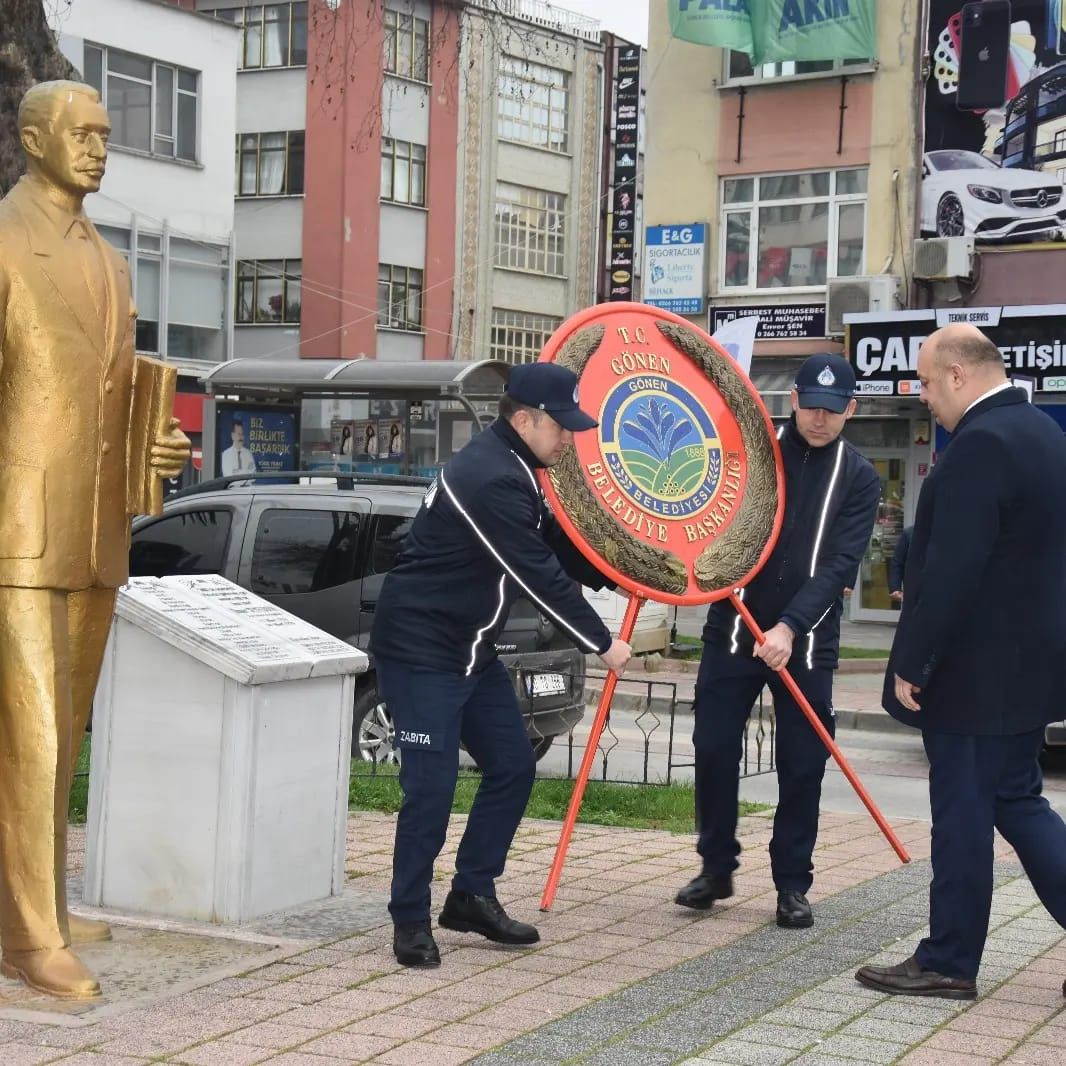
831, 497
483, 537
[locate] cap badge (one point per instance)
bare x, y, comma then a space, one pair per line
575, 394
826, 378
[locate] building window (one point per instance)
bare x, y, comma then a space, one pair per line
197, 279
152, 106
518, 336
406, 45
193, 542
400, 298
530, 229
738, 68
268, 290
403, 172
302, 551
274, 35
270, 164
533, 103
792, 230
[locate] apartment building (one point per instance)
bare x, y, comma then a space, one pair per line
168, 79
805, 176
414, 179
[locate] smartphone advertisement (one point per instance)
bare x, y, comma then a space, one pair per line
995, 122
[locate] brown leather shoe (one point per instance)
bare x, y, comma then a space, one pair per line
909, 979
55, 971
88, 930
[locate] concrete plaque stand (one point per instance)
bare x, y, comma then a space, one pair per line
221, 746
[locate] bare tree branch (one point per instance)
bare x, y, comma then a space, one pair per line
28, 55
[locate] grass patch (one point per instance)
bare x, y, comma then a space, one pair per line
688, 648
79, 789
669, 807
692, 648
863, 653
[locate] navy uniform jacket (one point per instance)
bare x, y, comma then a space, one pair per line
483, 537
983, 624
831, 497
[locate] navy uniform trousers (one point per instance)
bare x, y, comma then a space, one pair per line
727, 687
432, 712
978, 784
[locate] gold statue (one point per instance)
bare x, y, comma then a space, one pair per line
66, 398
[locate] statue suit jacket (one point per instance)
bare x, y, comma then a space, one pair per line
983, 624
66, 375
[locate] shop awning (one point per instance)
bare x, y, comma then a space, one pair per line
428, 379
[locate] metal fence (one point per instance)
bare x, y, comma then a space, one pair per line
647, 738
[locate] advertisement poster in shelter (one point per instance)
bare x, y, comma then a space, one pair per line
251, 439
997, 174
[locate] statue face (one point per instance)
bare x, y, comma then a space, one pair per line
73, 154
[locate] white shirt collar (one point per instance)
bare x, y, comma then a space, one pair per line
984, 396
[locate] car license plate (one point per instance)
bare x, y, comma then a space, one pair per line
545, 684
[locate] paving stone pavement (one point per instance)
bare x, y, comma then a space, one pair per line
621, 977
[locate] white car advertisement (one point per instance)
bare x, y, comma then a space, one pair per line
965, 194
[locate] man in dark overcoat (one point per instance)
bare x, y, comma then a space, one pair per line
980, 651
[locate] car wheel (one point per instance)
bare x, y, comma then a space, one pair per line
541, 746
372, 729
950, 218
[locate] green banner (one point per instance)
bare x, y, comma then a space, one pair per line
721, 23
779, 30
814, 29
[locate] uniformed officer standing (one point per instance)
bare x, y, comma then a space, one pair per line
831, 497
483, 537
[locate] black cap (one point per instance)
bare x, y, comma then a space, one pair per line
826, 381
551, 388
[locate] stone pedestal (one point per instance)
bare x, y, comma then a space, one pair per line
221, 745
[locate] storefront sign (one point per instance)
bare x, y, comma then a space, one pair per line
777, 321
884, 348
674, 267
625, 161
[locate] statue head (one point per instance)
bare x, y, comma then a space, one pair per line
64, 129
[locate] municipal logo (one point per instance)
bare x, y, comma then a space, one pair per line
661, 447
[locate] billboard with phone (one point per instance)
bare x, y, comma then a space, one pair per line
995, 122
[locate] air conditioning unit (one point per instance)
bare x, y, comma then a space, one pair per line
943, 258
845, 296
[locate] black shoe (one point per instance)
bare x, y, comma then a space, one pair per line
413, 945
793, 910
909, 979
467, 913
701, 892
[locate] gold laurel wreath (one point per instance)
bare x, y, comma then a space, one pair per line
726, 559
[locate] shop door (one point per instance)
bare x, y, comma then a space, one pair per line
871, 599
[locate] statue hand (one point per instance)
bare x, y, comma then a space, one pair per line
171, 451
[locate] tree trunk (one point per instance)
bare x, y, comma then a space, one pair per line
28, 55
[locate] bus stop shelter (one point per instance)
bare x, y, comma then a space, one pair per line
284, 382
